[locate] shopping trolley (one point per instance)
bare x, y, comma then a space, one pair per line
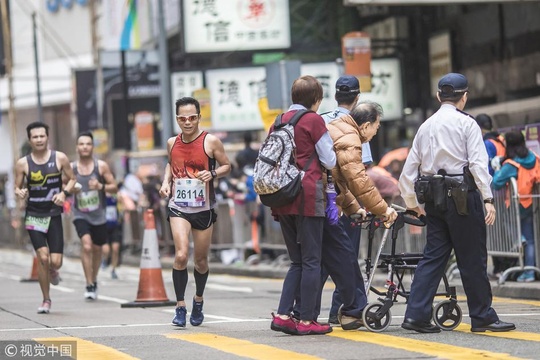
377, 316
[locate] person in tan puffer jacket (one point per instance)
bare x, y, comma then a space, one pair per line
348, 133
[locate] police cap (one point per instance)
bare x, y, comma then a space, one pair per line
453, 84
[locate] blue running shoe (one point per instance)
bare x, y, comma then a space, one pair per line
180, 317
197, 315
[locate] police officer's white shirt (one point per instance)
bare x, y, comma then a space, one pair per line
448, 140
366, 149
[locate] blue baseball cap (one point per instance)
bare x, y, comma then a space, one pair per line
453, 84
347, 83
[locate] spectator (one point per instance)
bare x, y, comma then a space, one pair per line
493, 141
302, 221
519, 156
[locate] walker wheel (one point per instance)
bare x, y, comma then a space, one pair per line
374, 320
445, 319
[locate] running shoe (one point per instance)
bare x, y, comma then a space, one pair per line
45, 307
90, 293
180, 317
197, 315
54, 276
113, 274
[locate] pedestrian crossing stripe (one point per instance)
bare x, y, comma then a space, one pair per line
516, 335
242, 348
432, 348
88, 350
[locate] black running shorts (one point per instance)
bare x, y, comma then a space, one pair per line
199, 221
54, 238
98, 233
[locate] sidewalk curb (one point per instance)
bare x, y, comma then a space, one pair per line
510, 289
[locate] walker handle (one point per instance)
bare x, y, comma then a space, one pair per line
410, 217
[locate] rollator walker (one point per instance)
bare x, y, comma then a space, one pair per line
377, 316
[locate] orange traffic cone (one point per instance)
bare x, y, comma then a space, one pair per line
151, 287
34, 272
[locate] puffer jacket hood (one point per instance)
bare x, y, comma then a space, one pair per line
350, 174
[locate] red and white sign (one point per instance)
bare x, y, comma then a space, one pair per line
235, 25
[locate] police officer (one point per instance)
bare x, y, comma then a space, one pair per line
449, 141
347, 96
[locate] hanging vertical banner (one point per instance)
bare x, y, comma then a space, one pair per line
235, 25
234, 96
121, 25
356, 54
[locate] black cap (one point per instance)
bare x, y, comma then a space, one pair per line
484, 121
453, 84
347, 83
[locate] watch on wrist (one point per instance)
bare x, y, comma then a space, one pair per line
66, 192
214, 174
489, 201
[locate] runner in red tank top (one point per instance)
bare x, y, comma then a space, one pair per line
188, 183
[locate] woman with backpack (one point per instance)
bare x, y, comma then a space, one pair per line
523, 165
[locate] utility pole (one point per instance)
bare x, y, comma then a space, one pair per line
6, 29
36, 65
97, 62
164, 80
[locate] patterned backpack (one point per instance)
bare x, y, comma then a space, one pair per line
277, 178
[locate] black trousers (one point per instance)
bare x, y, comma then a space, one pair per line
303, 238
467, 236
340, 261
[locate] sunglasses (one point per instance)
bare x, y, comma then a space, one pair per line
191, 118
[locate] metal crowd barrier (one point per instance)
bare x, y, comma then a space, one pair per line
504, 237
233, 237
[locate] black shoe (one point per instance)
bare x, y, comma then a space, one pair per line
351, 323
333, 319
497, 326
420, 326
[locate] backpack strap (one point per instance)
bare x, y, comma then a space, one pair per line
297, 115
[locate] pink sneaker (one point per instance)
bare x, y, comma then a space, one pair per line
287, 326
45, 307
313, 328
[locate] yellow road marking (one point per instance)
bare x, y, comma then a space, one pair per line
241, 347
516, 335
514, 301
87, 350
436, 349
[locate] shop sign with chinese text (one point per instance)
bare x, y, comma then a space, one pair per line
234, 97
235, 25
